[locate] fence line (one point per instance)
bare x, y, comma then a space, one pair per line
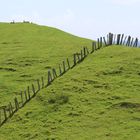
31, 91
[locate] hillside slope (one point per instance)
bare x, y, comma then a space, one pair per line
99, 99
27, 51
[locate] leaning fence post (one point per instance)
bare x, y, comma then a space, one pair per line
135, 42
21, 95
131, 44
42, 79
10, 109
84, 52
28, 90
81, 55
26, 98
118, 39
78, 57
60, 70
33, 89
16, 104
68, 63
100, 42
122, 39
49, 78
128, 41
4, 111
114, 41
54, 73
124, 42
74, 59
64, 67
105, 41
87, 50
38, 84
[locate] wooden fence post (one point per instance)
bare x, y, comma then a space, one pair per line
87, 50
74, 59
118, 39
38, 84
60, 70
135, 42
33, 89
124, 42
16, 104
101, 42
42, 80
64, 67
84, 52
122, 39
131, 44
10, 109
105, 41
5, 114
114, 41
78, 57
28, 90
26, 98
54, 73
82, 55
68, 62
22, 101
98, 43
49, 78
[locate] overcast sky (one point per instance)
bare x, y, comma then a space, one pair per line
85, 18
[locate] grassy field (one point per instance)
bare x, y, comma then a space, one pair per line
97, 100
27, 51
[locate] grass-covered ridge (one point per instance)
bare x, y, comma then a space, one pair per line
27, 51
98, 99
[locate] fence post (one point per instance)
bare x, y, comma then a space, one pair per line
38, 84
21, 95
26, 98
68, 63
101, 42
54, 73
10, 109
87, 50
60, 70
5, 115
28, 90
49, 78
42, 79
16, 104
74, 59
33, 89
64, 67
105, 41
118, 39
122, 39
98, 42
114, 41
124, 42
131, 44
78, 57
135, 43
84, 52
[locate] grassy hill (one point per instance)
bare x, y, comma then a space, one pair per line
27, 51
97, 100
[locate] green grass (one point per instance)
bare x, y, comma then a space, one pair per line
27, 51
97, 100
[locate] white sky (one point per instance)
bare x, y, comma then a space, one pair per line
86, 18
